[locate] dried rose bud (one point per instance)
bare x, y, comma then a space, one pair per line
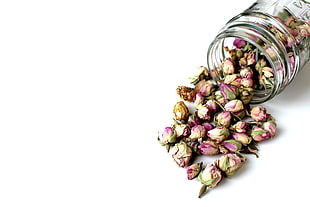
207, 89
193, 170
243, 138
234, 106
218, 134
246, 73
212, 105
181, 154
186, 93
240, 126
267, 77
233, 79
208, 126
260, 64
228, 91
251, 58
198, 132
260, 134
223, 119
228, 66
246, 95
193, 120
246, 82
230, 163
220, 98
208, 148
168, 136
199, 99
210, 176
180, 111
271, 127
232, 145
204, 112
182, 130
259, 113
239, 43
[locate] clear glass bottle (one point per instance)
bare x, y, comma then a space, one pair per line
278, 29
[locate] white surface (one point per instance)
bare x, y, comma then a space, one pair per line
86, 85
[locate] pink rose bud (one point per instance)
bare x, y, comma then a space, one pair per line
193, 170
228, 91
243, 138
230, 163
232, 145
204, 112
271, 127
198, 132
246, 82
260, 134
182, 130
223, 119
208, 126
259, 113
240, 126
199, 99
233, 80
251, 58
181, 154
218, 134
212, 105
193, 120
234, 106
228, 66
169, 136
239, 43
208, 148
246, 73
207, 89
210, 176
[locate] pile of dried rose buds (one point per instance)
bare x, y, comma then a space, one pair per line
223, 122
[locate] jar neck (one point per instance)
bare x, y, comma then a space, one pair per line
285, 53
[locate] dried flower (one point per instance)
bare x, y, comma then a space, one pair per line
228, 66
208, 148
230, 163
228, 91
181, 154
232, 145
246, 82
233, 80
223, 118
218, 134
193, 120
240, 126
239, 43
212, 106
210, 176
198, 132
208, 126
259, 113
168, 136
204, 112
259, 134
193, 170
234, 106
271, 127
180, 111
243, 138
182, 130
186, 93
246, 95
199, 99
251, 58
246, 73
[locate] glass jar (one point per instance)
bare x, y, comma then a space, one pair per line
279, 30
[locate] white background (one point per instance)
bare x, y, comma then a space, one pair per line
85, 86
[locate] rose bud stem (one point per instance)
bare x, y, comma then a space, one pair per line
203, 189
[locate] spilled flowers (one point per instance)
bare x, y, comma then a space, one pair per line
217, 118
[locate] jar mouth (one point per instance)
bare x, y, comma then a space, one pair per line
265, 43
